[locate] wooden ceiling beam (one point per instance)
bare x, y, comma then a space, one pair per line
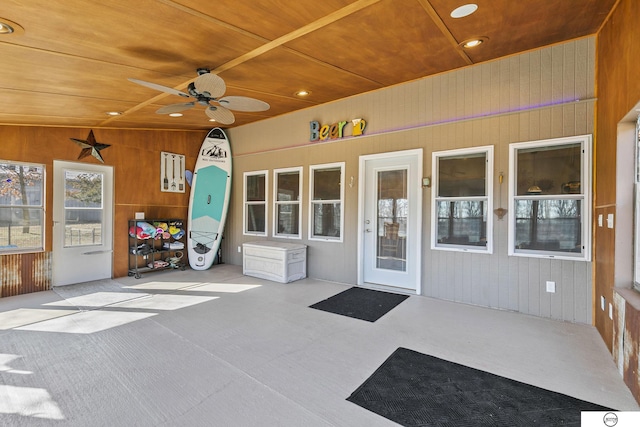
316, 25
266, 47
443, 28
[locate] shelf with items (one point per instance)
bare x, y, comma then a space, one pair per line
155, 245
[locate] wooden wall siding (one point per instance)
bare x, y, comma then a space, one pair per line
618, 90
135, 156
25, 273
524, 97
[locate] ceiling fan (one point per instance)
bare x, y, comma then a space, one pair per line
208, 88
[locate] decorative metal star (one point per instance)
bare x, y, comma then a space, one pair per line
90, 146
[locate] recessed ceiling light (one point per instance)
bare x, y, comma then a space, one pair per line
212, 120
114, 113
464, 10
9, 27
175, 115
302, 93
474, 42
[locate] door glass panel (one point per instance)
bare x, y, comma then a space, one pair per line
83, 203
392, 211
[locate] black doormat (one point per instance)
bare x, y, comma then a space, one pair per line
361, 303
413, 389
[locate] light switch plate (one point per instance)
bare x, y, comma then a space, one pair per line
610, 311
610, 220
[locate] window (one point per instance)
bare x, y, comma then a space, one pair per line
255, 203
287, 187
549, 192
326, 201
462, 200
21, 207
83, 205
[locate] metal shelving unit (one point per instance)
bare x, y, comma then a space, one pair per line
162, 251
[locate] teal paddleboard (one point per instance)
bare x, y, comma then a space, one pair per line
209, 199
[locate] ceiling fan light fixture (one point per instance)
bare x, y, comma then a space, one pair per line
5, 28
9, 27
473, 42
464, 10
207, 88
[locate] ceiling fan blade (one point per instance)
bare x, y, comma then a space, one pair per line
159, 87
243, 103
220, 115
175, 108
210, 83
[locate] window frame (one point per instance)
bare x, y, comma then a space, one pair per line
246, 203
41, 207
276, 202
636, 210
312, 202
585, 196
488, 198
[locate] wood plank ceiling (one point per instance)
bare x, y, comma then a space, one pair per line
70, 64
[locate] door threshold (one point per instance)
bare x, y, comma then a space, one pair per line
386, 288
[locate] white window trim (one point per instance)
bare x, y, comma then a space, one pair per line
636, 202
585, 141
488, 249
42, 207
276, 203
312, 169
247, 203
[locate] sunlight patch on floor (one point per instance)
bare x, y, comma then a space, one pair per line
165, 302
6, 359
161, 286
26, 316
223, 287
28, 402
101, 299
87, 322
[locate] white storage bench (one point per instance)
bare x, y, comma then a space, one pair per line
278, 261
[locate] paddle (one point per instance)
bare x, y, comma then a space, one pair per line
180, 186
165, 182
173, 171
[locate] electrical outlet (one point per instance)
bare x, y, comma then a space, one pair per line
239, 249
551, 286
602, 303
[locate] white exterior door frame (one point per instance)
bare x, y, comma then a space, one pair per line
411, 160
90, 259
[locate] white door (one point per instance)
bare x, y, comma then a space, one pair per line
390, 217
82, 222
